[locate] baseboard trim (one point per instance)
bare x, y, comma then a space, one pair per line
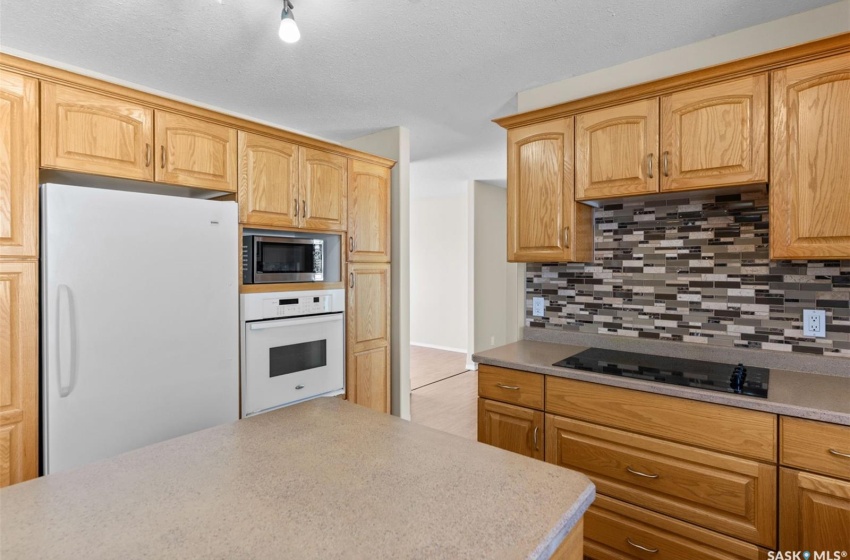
438, 347
471, 366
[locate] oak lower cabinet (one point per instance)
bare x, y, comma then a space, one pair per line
195, 153
18, 371
369, 217
715, 136
268, 181
368, 335
810, 160
18, 166
814, 506
511, 427
95, 133
544, 222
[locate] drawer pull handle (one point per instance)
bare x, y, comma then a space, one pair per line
508, 387
631, 470
536, 447
839, 453
645, 549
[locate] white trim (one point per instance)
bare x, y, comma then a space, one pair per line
438, 347
471, 366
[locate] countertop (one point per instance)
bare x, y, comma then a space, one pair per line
322, 479
803, 395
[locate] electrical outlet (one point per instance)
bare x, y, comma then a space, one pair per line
814, 323
538, 308
492, 341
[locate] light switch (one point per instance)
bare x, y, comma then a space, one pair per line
538, 307
814, 323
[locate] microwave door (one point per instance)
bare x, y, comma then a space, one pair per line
287, 260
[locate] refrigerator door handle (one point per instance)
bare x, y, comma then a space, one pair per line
66, 341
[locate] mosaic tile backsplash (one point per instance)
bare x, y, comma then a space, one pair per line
694, 267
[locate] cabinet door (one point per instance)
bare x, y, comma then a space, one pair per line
510, 427
18, 372
715, 136
810, 160
93, 133
368, 335
544, 223
617, 151
814, 512
324, 196
268, 181
368, 212
18, 166
195, 153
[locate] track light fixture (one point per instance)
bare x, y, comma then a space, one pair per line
288, 31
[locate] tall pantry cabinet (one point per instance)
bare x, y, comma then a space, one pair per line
368, 324
18, 278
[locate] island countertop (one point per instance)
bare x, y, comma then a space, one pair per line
322, 479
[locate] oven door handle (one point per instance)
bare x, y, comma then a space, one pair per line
295, 322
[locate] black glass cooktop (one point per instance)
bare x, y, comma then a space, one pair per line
727, 378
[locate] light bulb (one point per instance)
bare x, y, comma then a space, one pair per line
288, 31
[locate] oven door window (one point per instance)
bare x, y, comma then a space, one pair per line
277, 258
292, 358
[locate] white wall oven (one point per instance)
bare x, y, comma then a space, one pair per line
293, 348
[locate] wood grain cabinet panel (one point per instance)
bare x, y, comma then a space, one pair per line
815, 512
511, 386
810, 164
195, 153
324, 190
93, 133
368, 335
18, 166
544, 222
512, 428
715, 136
615, 530
18, 372
368, 212
617, 151
815, 446
747, 433
268, 181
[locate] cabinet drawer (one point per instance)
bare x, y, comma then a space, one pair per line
611, 525
511, 386
728, 494
720, 428
815, 446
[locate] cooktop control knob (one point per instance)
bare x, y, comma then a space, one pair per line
736, 380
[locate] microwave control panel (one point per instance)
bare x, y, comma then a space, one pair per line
293, 307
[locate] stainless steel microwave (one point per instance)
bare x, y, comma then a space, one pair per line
268, 259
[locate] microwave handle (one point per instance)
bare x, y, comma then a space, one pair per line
295, 322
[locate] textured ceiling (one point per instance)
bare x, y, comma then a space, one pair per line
441, 69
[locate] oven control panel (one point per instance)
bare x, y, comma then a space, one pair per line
295, 306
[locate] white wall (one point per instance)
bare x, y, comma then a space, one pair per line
493, 290
439, 268
804, 27
394, 143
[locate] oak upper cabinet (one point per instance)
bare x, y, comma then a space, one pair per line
268, 182
18, 166
544, 222
814, 512
195, 153
368, 212
18, 372
715, 136
510, 427
324, 190
617, 151
368, 335
810, 160
94, 133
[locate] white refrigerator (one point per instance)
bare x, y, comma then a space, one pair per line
140, 320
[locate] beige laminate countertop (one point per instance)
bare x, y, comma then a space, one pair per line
804, 395
322, 479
